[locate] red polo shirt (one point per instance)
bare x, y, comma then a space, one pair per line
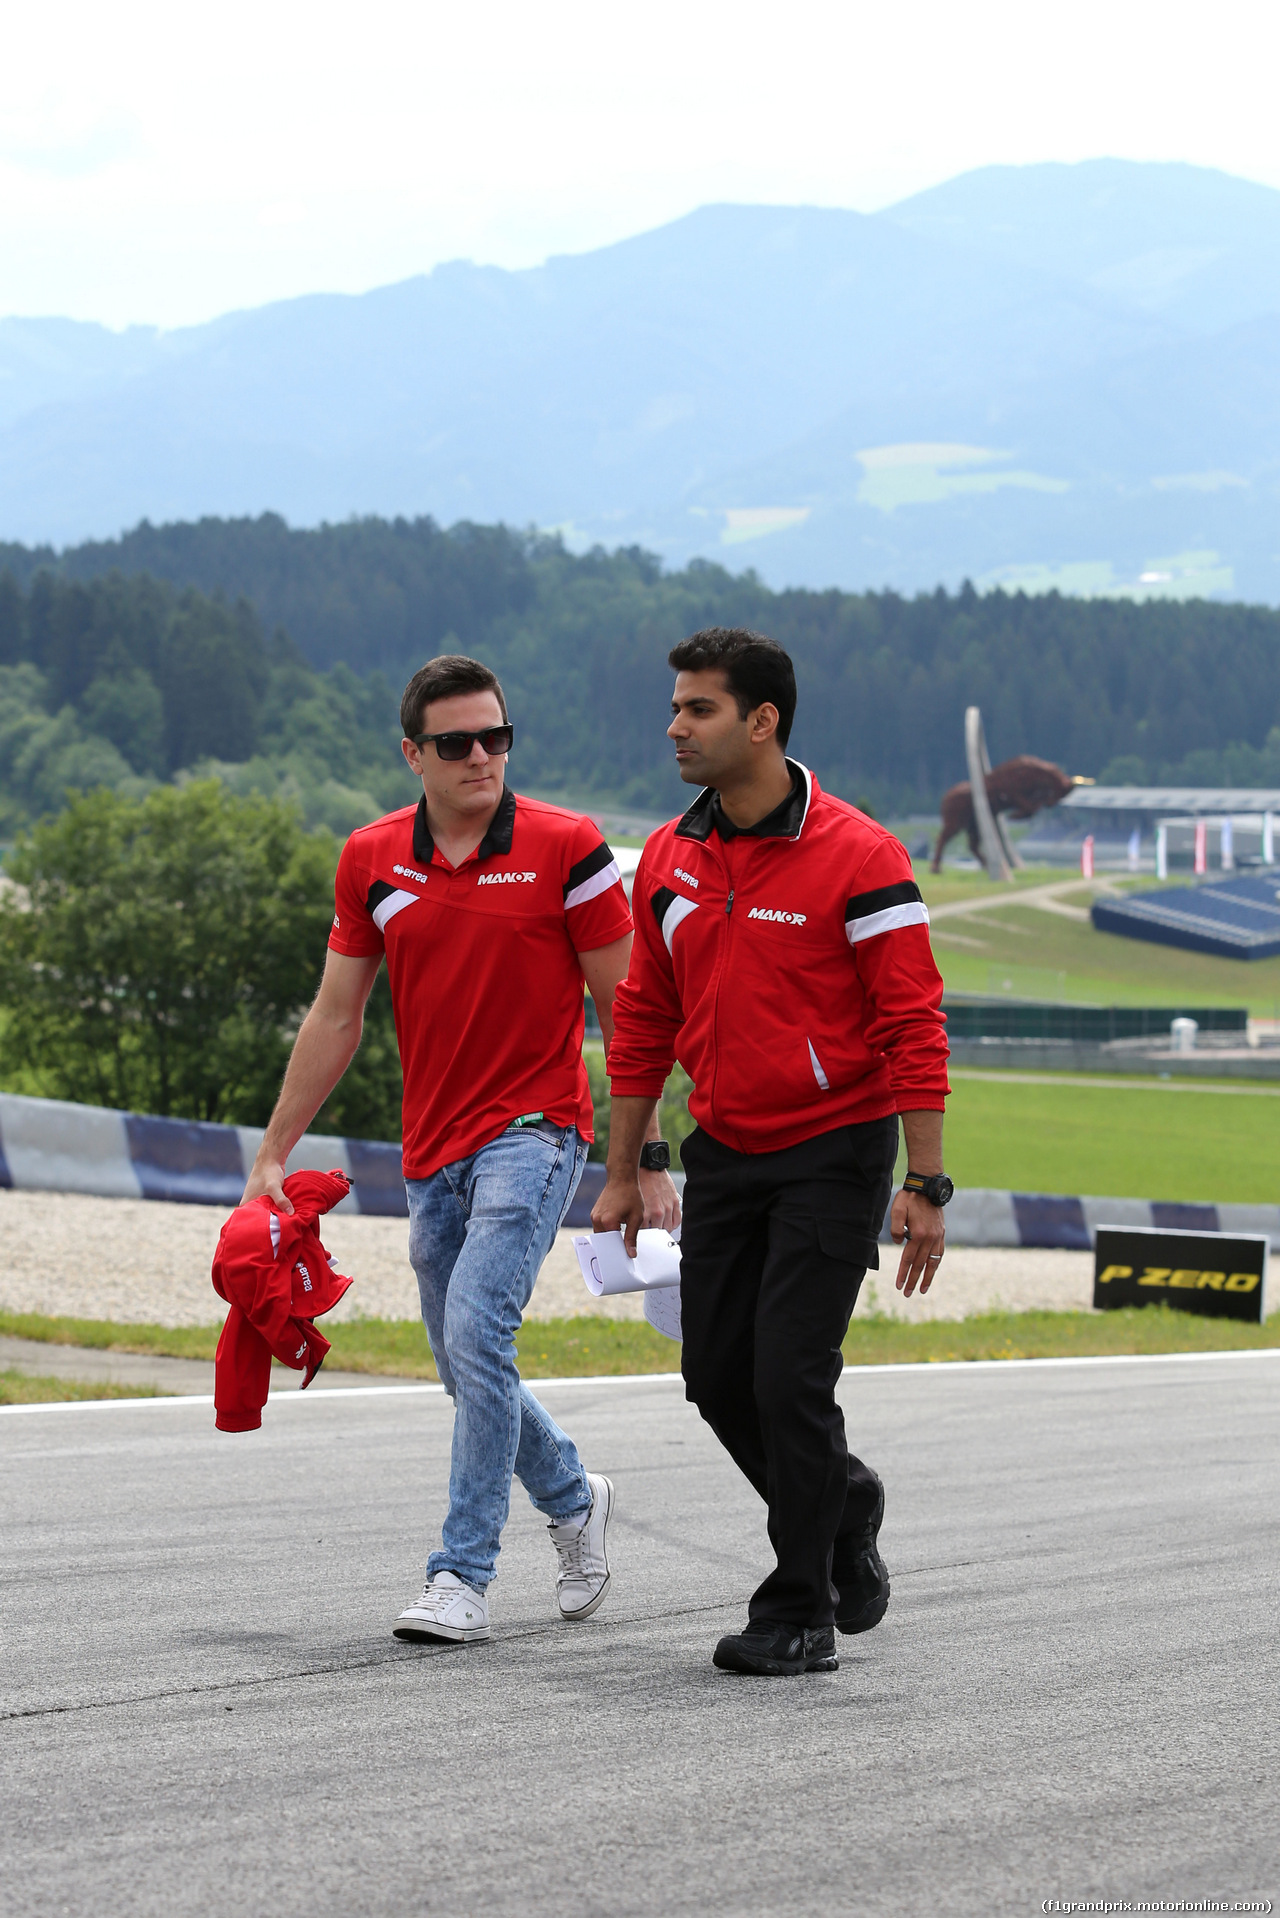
483, 962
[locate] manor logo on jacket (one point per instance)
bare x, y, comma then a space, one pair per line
779, 918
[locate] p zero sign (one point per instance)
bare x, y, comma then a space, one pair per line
1213, 1273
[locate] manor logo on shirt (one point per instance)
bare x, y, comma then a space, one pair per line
506, 878
779, 918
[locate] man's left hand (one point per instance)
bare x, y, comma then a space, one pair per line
924, 1231
661, 1200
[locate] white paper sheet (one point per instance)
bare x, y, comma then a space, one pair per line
606, 1268
662, 1309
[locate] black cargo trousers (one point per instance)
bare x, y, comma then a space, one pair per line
773, 1250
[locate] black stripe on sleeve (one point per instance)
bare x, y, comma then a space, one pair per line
587, 868
905, 893
663, 898
377, 892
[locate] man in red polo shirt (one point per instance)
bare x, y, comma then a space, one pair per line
491, 910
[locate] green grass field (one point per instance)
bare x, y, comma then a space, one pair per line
1031, 946
397, 1348
1051, 1335
19, 1388
1116, 1138
1122, 1138
595, 1347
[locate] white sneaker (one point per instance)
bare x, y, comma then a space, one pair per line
447, 1609
583, 1578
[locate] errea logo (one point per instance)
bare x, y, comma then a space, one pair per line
506, 878
407, 872
688, 877
779, 918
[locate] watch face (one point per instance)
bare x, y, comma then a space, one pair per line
943, 1189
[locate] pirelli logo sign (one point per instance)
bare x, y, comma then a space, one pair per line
1214, 1273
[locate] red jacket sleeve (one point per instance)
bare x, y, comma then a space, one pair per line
887, 926
647, 1015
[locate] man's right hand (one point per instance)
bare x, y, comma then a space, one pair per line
267, 1176
620, 1208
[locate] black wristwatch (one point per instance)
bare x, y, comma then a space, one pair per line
937, 1188
655, 1156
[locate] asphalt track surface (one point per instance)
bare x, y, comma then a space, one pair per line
1073, 1694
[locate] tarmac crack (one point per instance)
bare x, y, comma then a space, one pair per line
397, 1656
405, 1656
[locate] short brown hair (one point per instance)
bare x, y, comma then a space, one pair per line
442, 678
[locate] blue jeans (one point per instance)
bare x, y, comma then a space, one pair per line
478, 1232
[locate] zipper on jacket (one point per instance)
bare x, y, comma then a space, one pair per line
723, 863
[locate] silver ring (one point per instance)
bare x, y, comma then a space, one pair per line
932, 1256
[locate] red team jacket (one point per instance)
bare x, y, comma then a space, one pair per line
276, 1277
790, 973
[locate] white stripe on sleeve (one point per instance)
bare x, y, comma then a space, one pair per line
915, 914
599, 882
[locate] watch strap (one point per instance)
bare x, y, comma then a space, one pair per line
928, 1184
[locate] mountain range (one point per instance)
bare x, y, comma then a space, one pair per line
1035, 376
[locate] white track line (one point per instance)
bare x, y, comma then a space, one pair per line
938, 1366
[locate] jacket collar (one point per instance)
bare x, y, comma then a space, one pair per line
495, 844
784, 822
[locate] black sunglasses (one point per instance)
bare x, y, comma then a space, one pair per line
494, 739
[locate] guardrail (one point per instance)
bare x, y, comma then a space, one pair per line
52, 1145
980, 1216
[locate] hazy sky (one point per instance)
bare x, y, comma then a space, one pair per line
162, 162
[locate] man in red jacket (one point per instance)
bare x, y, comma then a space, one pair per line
782, 954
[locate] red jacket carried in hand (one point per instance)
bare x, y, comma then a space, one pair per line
276, 1276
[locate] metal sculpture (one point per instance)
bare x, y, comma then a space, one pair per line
1018, 788
994, 850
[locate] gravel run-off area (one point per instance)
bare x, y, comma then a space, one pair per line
144, 1260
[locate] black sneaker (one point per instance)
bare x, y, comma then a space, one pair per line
860, 1577
770, 1650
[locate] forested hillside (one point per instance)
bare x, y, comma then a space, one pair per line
126, 683
147, 655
